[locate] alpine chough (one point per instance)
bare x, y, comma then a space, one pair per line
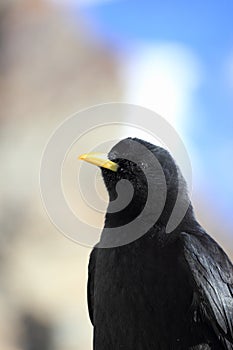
163, 290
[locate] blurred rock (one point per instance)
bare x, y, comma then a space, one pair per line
50, 67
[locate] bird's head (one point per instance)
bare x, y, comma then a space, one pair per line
138, 174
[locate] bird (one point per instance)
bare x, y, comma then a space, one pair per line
159, 290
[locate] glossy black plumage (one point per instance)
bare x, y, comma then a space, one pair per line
162, 291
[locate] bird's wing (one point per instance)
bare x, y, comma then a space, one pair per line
212, 274
90, 285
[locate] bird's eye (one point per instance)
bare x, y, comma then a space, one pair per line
143, 165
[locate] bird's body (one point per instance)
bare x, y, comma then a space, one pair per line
146, 295
162, 291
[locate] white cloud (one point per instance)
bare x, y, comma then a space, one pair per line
162, 77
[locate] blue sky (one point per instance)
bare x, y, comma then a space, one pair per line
201, 24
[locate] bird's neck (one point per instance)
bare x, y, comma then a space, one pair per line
128, 214
125, 214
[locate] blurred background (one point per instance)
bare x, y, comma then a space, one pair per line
59, 56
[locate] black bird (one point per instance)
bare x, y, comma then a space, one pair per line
161, 290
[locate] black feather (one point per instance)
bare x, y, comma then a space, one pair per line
161, 291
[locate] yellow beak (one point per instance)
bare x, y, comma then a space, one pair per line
100, 160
